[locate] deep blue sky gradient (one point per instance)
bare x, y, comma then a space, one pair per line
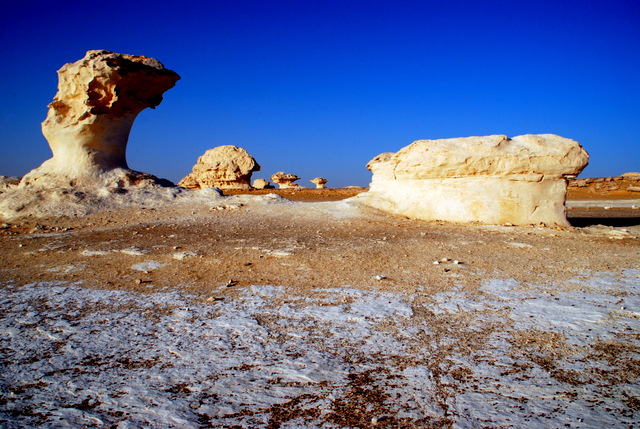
318, 88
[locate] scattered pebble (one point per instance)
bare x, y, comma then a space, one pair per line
379, 277
376, 420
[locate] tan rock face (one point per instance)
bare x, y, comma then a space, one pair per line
285, 181
319, 182
90, 118
490, 179
9, 182
224, 167
262, 184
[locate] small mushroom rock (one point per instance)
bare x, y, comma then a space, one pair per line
285, 181
491, 179
90, 118
262, 184
319, 182
224, 167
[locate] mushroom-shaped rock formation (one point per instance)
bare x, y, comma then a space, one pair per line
319, 182
490, 179
285, 181
262, 184
224, 167
90, 118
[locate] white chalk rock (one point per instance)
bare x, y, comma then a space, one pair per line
319, 182
285, 181
224, 167
262, 184
90, 118
492, 179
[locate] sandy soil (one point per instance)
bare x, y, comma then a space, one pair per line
217, 252
237, 240
589, 193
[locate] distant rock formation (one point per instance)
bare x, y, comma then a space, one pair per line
492, 179
319, 182
626, 182
285, 181
262, 184
90, 118
224, 167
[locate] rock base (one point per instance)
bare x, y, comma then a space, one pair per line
488, 200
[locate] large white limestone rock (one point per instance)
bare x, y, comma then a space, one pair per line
491, 179
224, 167
90, 118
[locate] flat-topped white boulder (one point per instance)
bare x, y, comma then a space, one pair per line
90, 118
224, 167
491, 179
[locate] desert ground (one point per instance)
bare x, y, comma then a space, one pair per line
303, 308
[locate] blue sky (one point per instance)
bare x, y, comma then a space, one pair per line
318, 88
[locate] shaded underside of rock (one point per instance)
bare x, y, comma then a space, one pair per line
490, 179
224, 167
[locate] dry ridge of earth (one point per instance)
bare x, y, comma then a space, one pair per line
257, 311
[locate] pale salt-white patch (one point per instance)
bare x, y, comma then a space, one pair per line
89, 252
67, 268
82, 357
521, 245
147, 266
602, 203
184, 254
133, 251
278, 252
